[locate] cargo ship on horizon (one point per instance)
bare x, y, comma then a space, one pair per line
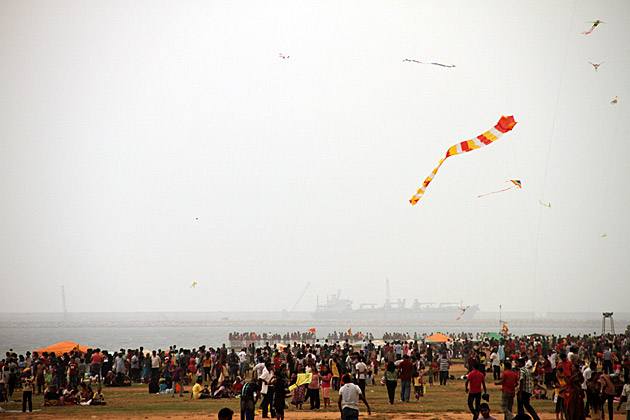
336, 307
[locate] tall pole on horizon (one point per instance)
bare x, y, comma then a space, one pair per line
63, 302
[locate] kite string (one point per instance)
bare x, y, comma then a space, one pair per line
315, 136
529, 224
553, 128
606, 188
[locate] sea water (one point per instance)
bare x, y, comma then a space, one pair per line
114, 331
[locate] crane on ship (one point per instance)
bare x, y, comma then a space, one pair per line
297, 302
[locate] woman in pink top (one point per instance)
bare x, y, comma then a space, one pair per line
326, 378
313, 389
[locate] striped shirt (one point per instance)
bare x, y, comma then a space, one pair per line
527, 379
444, 363
248, 390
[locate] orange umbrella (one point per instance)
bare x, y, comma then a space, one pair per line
63, 347
439, 338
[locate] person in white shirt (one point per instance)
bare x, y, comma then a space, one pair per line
625, 396
258, 370
495, 362
243, 363
156, 363
361, 372
267, 391
349, 395
553, 358
587, 373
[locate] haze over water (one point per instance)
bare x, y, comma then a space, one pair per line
112, 331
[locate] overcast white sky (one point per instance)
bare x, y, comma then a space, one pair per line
147, 145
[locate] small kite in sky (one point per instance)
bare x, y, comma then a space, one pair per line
463, 311
192, 286
504, 125
450, 66
284, 57
596, 65
614, 101
545, 204
516, 183
604, 235
595, 23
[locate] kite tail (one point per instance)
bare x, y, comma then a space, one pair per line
494, 192
426, 183
504, 125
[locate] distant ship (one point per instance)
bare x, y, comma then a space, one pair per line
337, 308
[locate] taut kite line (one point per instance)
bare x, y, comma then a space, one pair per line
504, 125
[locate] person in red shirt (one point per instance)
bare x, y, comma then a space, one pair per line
472, 360
508, 382
405, 368
95, 363
73, 369
474, 382
565, 365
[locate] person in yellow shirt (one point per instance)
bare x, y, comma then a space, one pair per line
418, 384
207, 367
334, 369
198, 391
560, 387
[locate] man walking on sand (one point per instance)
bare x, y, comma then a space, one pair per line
249, 398
525, 389
349, 396
508, 382
474, 382
445, 363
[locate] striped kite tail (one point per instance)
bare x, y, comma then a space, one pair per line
504, 125
426, 183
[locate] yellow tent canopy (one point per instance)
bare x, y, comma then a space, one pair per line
439, 338
63, 347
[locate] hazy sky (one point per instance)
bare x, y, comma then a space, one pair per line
146, 145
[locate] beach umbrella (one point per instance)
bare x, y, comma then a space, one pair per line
438, 338
63, 347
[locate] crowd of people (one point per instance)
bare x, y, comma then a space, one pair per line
288, 337
583, 373
43, 374
580, 374
238, 339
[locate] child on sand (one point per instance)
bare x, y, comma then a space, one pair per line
484, 410
98, 398
430, 373
27, 395
417, 384
326, 378
560, 387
